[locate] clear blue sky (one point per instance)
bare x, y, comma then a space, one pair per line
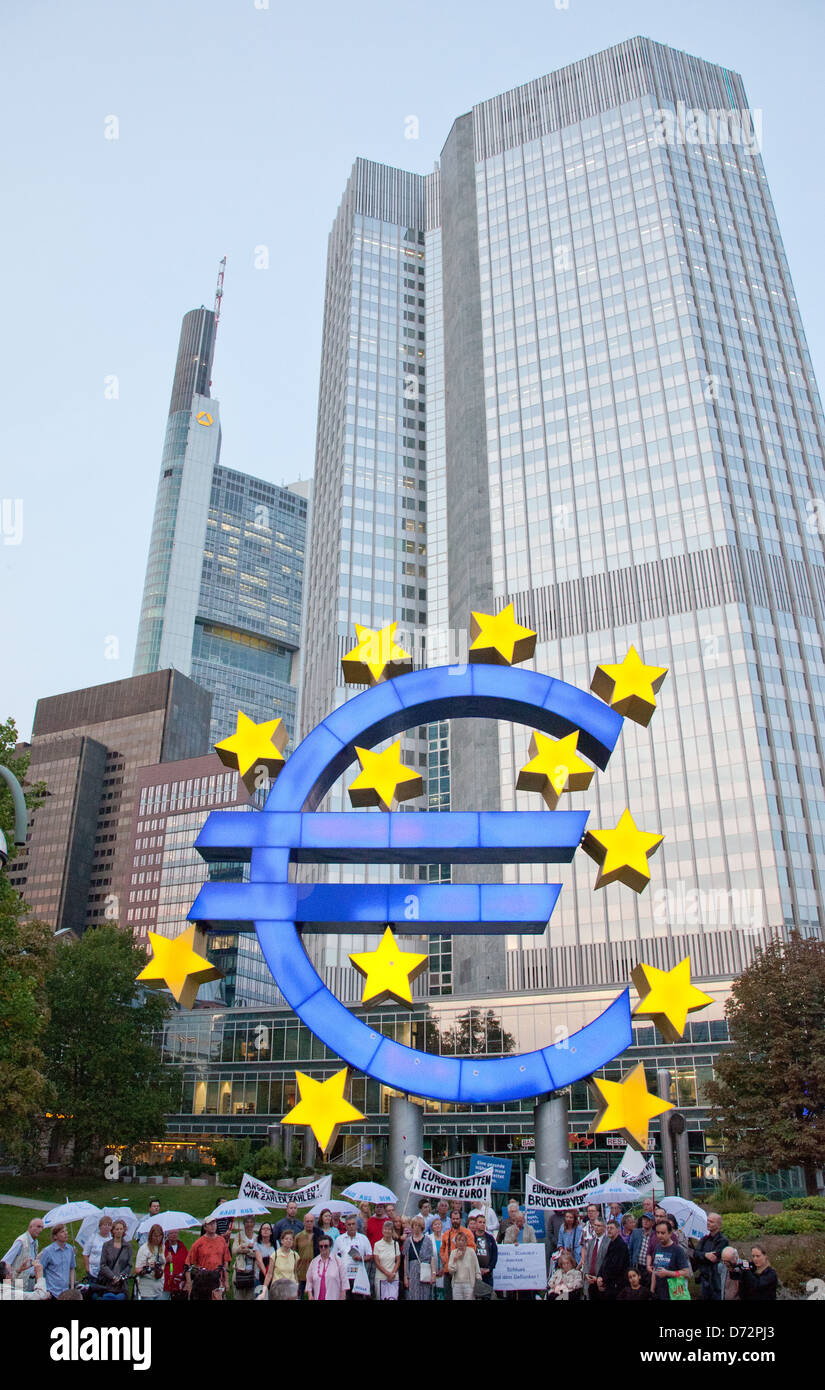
238, 128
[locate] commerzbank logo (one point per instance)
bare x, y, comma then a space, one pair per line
203, 417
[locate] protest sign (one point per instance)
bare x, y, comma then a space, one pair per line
318, 1191
520, 1267
428, 1182
501, 1169
545, 1198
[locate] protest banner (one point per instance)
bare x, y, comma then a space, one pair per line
428, 1182
501, 1169
545, 1198
520, 1267
318, 1191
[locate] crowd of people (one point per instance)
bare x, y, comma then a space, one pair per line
375, 1253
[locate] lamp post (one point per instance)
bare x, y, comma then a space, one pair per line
21, 814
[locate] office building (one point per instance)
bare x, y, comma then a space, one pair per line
87, 746
222, 594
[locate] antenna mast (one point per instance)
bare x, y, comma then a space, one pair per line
219, 292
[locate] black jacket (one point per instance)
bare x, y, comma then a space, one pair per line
614, 1265
708, 1271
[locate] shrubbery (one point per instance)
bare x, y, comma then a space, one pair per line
741, 1225
798, 1261
804, 1204
794, 1223
728, 1197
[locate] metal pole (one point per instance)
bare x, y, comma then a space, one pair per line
309, 1147
663, 1080
552, 1131
683, 1157
406, 1142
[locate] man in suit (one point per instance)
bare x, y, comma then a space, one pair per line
593, 1258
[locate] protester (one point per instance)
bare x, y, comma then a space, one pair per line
285, 1262
648, 1209
375, 1225
15, 1291
245, 1267
265, 1250
442, 1213
634, 1291
593, 1257
355, 1252
463, 1266
614, 1213
174, 1279
207, 1263
289, 1222
760, 1281
364, 1213
642, 1243
486, 1246
94, 1245
566, 1282
58, 1262
614, 1264
707, 1257
387, 1256
731, 1270
22, 1256
115, 1265
424, 1211
519, 1232
306, 1246
627, 1227
326, 1225
669, 1260
419, 1263
508, 1217
448, 1241
284, 1291
435, 1234
150, 1266
569, 1235
589, 1225
326, 1280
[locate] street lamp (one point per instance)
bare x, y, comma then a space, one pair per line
21, 815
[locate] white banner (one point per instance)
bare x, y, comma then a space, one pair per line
520, 1267
545, 1198
646, 1177
255, 1190
428, 1182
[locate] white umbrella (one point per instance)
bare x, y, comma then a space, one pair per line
70, 1211
168, 1221
689, 1218
337, 1207
89, 1225
369, 1192
239, 1206
613, 1192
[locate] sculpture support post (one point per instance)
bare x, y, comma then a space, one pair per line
309, 1147
406, 1141
551, 1128
668, 1164
683, 1157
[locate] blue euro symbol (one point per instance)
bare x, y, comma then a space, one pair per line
289, 828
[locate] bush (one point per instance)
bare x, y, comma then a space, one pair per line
804, 1204
728, 1197
268, 1165
742, 1225
796, 1261
794, 1223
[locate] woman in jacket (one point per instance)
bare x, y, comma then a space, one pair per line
326, 1277
419, 1257
566, 1281
614, 1264
464, 1268
570, 1236
116, 1264
761, 1281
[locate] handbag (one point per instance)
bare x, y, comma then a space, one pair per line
244, 1279
678, 1288
425, 1269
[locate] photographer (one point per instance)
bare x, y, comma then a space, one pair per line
115, 1265
731, 1273
150, 1266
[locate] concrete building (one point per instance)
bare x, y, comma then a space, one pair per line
87, 746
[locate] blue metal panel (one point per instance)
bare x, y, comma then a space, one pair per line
593, 1046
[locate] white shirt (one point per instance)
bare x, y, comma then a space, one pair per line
354, 1268
92, 1250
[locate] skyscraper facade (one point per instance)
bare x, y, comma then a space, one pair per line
623, 437
222, 594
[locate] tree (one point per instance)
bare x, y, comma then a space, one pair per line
25, 953
477, 1031
112, 1087
768, 1097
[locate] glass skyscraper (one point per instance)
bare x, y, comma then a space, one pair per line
222, 595
567, 370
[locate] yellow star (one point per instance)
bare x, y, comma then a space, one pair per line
555, 767
626, 1106
667, 997
498, 640
254, 746
322, 1106
629, 686
622, 853
384, 780
388, 971
177, 964
375, 657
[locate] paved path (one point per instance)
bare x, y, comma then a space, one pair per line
25, 1202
